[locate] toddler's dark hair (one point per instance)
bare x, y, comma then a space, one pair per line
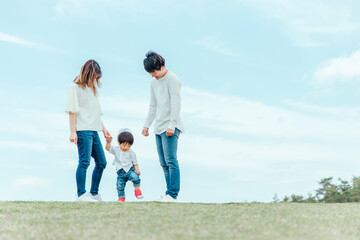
153, 62
126, 137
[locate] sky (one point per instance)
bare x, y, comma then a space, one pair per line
270, 93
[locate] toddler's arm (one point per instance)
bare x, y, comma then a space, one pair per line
137, 169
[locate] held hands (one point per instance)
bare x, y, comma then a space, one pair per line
109, 139
107, 135
73, 137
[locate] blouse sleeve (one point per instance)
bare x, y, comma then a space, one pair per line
72, 100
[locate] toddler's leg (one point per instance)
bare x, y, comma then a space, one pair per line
135, 179
120, 184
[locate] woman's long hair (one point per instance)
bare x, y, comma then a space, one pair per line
90, 74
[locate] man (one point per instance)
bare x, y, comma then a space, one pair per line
165, 104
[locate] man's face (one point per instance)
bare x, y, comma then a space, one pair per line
158, 73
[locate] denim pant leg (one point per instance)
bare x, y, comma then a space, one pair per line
163, 164
100, 164
121, 183
85, 144
167, 150
133, 177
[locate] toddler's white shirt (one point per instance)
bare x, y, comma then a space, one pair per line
123, 160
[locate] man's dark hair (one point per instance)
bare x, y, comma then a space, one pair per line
153, 62
126, 137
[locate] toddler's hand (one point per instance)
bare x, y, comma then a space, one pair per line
138, 172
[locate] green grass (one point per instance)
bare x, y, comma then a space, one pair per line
150, 220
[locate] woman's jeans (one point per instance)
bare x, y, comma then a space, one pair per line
167, 150
89, 145
123, 177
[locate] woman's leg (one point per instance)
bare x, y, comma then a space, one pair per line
84, 146
100, 164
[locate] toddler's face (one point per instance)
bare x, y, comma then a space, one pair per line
125, 146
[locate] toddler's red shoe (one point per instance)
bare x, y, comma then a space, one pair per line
138, 194
121, 200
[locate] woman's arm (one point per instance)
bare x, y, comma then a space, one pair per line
72, 120
107, 135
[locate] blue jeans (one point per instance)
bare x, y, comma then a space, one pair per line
167, 150
123, 177
89, 145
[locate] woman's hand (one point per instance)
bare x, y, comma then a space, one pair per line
107, 135
73, 137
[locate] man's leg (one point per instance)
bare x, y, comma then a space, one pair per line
163, 164
169, 145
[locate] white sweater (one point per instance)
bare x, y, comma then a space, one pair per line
165, 104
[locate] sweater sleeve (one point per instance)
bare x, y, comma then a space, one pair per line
152, 109
72, 100
175, 102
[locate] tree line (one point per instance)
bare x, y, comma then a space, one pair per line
329, 192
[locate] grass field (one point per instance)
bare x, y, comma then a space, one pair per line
150, 220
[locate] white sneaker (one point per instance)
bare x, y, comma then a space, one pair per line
85, 198
96, 197
167, 198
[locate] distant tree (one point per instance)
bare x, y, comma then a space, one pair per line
329, 192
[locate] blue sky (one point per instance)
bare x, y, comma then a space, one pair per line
270, 93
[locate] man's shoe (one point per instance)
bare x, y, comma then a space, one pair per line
167, 198
85, 198
96, 197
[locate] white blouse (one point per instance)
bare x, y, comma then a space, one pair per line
86, 106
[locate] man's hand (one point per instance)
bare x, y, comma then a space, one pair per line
145, 131
170, 132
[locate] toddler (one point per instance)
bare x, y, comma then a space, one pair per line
125, 163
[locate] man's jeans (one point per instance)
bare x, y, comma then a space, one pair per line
89, 145
123, 177
167, 150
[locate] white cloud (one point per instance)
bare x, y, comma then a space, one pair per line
23, 145
30, 182
312, 23
212, 44
17, 40
342, 69
243, 117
